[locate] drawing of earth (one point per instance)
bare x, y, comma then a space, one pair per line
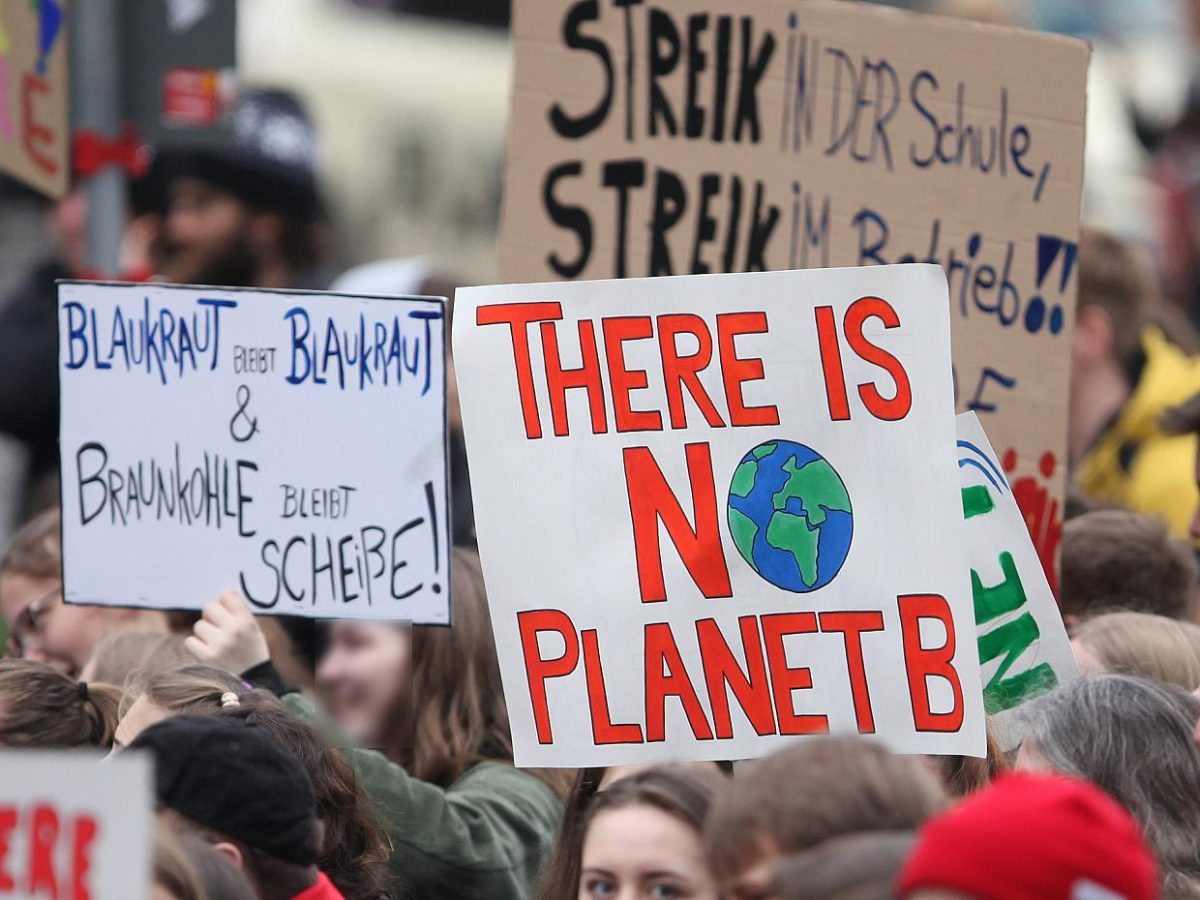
790, 515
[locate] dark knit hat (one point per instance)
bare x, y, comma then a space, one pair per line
270, 163
228, 775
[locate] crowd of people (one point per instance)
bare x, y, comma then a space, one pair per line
369, 760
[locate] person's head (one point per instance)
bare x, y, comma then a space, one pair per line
153, 696
42, 707
1062, 839
964, 775
642, 837
175, 877
354, 854
40, 625
245, 213
1133, 643
852, 867
802, 795
1112, 559
1133, 738
1184, 419
452, 696
219, 877
229, 783
127, 653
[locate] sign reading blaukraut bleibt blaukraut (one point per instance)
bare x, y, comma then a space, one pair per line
289, 444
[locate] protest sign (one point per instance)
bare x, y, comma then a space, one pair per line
715, 512
289, 444
1024, 650
742, 135
33, 94
73, 827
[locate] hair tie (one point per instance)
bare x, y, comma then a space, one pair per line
229, 699
83, 691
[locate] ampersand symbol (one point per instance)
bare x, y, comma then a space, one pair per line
243, 433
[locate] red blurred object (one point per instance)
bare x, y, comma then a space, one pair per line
92, 152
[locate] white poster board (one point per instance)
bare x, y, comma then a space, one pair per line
1024, 650
717, 512
74, 826
215, 438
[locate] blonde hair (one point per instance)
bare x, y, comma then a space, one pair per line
42, 707
1136, 643
133, 654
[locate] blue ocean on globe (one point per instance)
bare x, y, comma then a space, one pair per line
790, 515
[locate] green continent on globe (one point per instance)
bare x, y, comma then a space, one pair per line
794, 535
741, 526
817, 486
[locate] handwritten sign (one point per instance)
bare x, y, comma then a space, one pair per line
71, 826
33, 94
1024, 650
718, 512
288, 444
726, 135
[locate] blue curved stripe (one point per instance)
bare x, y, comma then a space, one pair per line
987, 459
986, 473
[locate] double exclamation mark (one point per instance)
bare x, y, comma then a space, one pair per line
1037, 311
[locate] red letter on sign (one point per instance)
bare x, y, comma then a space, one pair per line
681, 372
8, 821
625, 380
81, 857
923, 663
530, 624
831, 364
36, 138
518, 316
651, 499
43, 834
877, 308
785, 678
737, 371
852, 625
559, 380
751, 688
662, 655
603, 729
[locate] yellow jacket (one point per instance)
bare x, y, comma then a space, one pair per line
1134, 463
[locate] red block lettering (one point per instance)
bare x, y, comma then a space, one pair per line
603, 729
877, 405
651, 499
36, 138
8, 821
623, 380
530, 624
737, 371
666, 677
923, 663
751, 688
587, 376
518, 316
86, 830
43, 834
851, 625
680, 372
831, 364
784, 678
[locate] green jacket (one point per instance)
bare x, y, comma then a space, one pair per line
485, 836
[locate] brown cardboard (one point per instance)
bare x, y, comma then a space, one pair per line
34, 138
1028, 87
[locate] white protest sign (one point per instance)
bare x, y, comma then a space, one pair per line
288, 444
1024, 650
715, 512
74, 826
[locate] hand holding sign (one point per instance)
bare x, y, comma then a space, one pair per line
228, 635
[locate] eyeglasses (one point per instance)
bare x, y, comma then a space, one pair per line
30, 622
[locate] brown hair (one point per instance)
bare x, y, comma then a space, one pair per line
186, 690
36, 550
219, 877
173, 871
353, 854
683, 792
137, 653
1112, 559
852, 867
819, 789
964, 775
1114, 277
42, 707
1133, 643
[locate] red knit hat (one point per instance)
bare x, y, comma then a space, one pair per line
1034, 836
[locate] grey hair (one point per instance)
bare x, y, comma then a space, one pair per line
1134, 738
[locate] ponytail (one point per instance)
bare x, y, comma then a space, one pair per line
102, 706
42, 707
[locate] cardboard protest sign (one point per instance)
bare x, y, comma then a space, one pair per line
289, 444
1024, 650
71, 826
34, 137
717, 512
742, 135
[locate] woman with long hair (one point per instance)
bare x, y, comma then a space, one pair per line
42, 707
463, 821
